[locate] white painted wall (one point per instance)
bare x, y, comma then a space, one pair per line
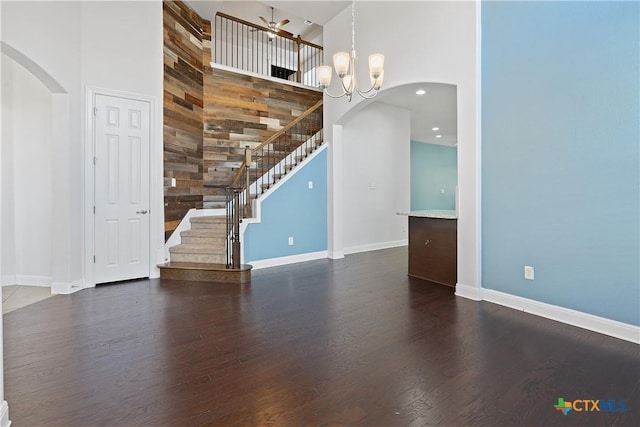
27, 199
438, 44
114, 45
53, 43
4, 407
122, 50
377, 184
122, 46
7, 225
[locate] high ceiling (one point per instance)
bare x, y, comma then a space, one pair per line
436, 108
318, 12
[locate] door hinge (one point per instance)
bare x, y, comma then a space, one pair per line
94, 259
94, 210
95, 159
95, 111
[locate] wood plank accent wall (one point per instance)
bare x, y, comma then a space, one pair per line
210, 115
240, 111
183, 102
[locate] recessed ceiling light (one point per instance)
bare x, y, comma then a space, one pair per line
421, 92
435, 129
438, 136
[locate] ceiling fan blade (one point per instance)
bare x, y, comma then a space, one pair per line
281, 23
264, 20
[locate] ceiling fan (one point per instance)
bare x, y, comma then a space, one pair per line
274, 27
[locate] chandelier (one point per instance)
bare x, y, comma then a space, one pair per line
345, 66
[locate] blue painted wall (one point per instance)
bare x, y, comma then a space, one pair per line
292, 210
433, 168
560, 153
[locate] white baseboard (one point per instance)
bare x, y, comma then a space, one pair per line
4, 414
66, 288
375, 246
613, 328
8, 280
598, 324
25, 280
292, 259
470, 292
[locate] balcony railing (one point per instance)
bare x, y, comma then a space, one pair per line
241, 44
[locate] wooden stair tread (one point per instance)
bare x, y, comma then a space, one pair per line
203, 266
205, 272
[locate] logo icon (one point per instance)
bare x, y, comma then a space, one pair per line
563, 406
590, 405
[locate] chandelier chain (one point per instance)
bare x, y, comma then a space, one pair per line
353, 26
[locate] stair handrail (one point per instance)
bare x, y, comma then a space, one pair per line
272, 138
238, 197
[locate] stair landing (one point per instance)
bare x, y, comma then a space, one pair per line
205, 272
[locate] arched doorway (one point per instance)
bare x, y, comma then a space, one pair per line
379, 139
27, 172
35, 135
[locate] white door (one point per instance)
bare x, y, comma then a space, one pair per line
122, 129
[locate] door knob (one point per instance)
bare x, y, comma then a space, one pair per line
142, 212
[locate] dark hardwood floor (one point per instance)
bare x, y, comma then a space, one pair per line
346, 342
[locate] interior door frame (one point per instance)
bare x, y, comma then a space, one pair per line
156, 212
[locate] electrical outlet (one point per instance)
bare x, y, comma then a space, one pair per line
290, 241
310, 185
173, 182
528, 272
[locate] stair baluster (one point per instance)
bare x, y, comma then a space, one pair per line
270, 160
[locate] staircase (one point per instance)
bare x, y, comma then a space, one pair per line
205, 251
205, 242
201, 257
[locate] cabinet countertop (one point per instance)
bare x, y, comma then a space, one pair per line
435, 213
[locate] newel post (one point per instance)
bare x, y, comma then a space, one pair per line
247, 188
235, 243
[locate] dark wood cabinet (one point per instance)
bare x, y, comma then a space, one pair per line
433, 249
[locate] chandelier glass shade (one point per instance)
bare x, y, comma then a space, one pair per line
345, 67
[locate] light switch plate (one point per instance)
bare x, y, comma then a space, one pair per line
528, 272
